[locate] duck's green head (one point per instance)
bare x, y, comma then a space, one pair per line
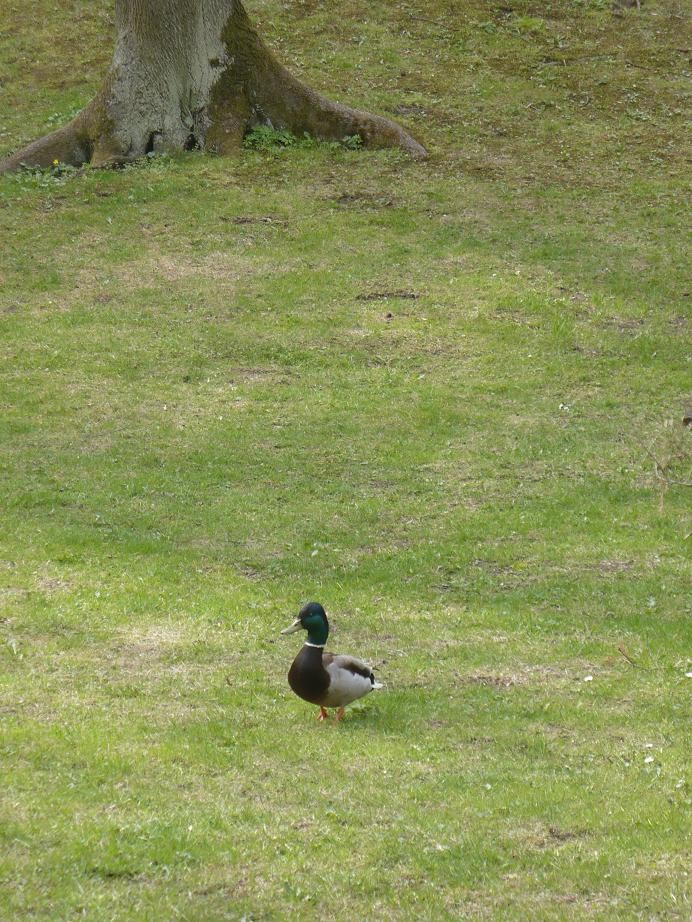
311, 618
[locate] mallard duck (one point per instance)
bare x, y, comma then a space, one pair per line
328, 679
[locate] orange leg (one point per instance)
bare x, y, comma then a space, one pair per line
340, 713
322, 714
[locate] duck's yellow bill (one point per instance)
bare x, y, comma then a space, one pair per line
296, 626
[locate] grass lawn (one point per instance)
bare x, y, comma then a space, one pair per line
444, 399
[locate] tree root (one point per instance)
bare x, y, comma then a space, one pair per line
69, 144
271, 95
79, 142
260, 90
286, 102
252, 89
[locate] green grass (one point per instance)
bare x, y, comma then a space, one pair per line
428, 395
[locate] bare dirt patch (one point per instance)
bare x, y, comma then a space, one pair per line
385, 295
489, 681
174, 268
257, 219
363, 200
544, 837
52, 584
143, 650
614, 566
13, 592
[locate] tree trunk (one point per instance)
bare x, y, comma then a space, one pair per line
195, 74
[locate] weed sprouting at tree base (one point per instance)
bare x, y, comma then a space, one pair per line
266, 138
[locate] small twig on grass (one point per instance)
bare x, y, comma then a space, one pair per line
433, 22
621, 649
652, 70
564, 62
660, 471
677, 483
576, 57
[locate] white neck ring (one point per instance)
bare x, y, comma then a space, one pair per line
320, 646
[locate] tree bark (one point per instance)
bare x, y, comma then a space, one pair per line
195, 74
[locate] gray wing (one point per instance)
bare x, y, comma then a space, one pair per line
356, 666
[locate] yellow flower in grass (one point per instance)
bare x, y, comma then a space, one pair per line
56, 163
